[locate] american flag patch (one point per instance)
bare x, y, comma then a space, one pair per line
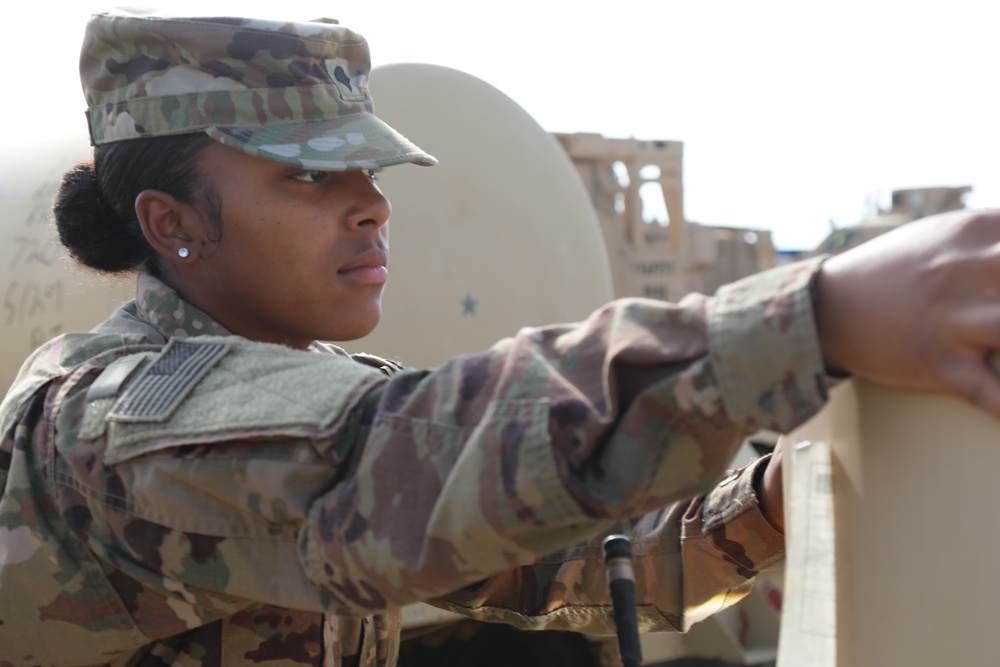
164, 384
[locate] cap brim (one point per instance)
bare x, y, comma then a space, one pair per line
359, 141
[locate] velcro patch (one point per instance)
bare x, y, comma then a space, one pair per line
114, 376
165, 383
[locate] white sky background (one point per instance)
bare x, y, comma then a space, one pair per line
790, 112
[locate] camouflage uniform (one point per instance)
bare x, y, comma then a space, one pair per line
174, 495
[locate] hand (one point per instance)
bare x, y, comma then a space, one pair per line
771, 491
918, 307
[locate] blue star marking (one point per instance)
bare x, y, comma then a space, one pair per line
468, 305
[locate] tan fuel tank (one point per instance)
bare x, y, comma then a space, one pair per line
498, 236
44, 294
891, 532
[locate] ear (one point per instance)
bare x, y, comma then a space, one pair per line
169, 225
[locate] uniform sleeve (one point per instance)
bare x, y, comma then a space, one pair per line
494, 459
695, 557
692, 559
231, 473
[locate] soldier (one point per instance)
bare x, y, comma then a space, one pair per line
199, 482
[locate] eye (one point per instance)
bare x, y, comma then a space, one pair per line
309, 176
373, 174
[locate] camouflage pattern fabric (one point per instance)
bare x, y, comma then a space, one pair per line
174, 495
293, 93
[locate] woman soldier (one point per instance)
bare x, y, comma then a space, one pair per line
198, 482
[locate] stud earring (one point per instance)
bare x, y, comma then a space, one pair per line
183, 252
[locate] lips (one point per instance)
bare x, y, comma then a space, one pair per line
368, 268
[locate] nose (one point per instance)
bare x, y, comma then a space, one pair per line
371, 208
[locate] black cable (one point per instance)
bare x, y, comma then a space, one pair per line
621, 580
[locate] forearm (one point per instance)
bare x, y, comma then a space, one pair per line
494, 459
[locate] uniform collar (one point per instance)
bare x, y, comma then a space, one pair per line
161, 306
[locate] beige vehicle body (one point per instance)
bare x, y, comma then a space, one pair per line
890, 516
901, 206
515, 227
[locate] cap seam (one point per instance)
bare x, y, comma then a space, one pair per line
138, 107
201, 128
270, 123
240, 91
283, 122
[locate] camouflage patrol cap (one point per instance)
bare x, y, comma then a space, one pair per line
293, 93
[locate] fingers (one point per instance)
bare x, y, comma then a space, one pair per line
966, 358
978, 323
976, 381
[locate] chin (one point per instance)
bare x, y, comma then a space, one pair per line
361, 324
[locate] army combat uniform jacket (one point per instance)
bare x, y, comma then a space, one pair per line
171, 494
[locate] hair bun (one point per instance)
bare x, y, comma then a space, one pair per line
95, 235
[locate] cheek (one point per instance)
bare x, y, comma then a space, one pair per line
267, 236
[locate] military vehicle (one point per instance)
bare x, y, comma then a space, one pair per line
903, 206
514, 227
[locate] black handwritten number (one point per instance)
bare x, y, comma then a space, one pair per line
28, 301
32, 304
31, 251
46, 255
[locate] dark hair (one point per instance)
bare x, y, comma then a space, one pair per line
95, 205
